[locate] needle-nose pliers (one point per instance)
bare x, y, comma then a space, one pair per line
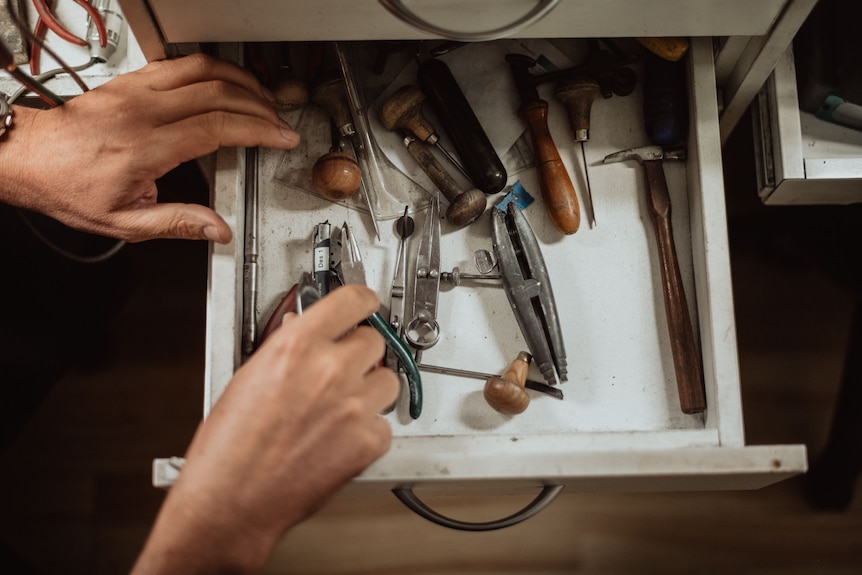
47, 21
351, 270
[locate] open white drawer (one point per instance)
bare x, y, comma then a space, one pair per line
619, 426
801, 159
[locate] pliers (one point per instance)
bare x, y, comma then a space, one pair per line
298, 298
47, 21
352, 271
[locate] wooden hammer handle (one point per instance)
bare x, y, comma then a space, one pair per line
558, 192
686, 363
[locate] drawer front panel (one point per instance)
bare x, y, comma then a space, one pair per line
267, 20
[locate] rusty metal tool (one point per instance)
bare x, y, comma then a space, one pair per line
250, 255
686, 362
558, 192
465, 206
528, 287
577, 95
554, 392
403, 111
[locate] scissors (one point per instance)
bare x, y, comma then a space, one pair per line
423, 331
351, 270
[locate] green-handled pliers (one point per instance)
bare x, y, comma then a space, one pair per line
352, 271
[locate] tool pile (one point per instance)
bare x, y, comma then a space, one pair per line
356, 165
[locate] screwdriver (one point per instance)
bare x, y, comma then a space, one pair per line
403, 110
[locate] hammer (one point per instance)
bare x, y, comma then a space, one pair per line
558, 192
689, 379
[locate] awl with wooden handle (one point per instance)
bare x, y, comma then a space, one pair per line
556, 186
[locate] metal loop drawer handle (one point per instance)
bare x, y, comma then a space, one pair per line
400, 11
411, 500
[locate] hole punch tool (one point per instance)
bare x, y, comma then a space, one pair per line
47, 21
528, 287
351, 270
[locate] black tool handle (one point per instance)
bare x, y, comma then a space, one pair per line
665, 101
477, 155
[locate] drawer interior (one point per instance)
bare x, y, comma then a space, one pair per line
621, 388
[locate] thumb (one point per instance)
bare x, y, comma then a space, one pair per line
176, 221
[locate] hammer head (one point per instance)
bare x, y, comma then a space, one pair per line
525, 82
645, 154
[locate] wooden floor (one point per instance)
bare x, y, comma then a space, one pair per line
75, 493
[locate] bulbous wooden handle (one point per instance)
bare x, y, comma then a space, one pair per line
506, 393
336, 176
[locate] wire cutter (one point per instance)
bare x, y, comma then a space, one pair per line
47, 21
351, 270
528, 287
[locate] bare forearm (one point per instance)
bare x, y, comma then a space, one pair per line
184, 542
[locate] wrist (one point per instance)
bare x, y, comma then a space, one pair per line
192, 535
16, 161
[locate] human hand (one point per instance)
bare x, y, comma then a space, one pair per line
296, 422
93, 162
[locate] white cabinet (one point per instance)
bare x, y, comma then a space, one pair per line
619, 426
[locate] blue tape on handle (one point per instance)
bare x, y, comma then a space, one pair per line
516, 194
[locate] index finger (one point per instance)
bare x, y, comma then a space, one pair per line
340, 311
171, 74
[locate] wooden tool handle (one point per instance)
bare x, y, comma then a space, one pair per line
336, 176
558, 192
686, 363
332, 97
403, 109
464, 207
506, 393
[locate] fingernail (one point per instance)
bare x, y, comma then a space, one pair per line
211, 233
288, 133
267, 93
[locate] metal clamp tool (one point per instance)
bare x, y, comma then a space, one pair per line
528, 288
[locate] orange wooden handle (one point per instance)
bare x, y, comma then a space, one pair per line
558, 192
686, 363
